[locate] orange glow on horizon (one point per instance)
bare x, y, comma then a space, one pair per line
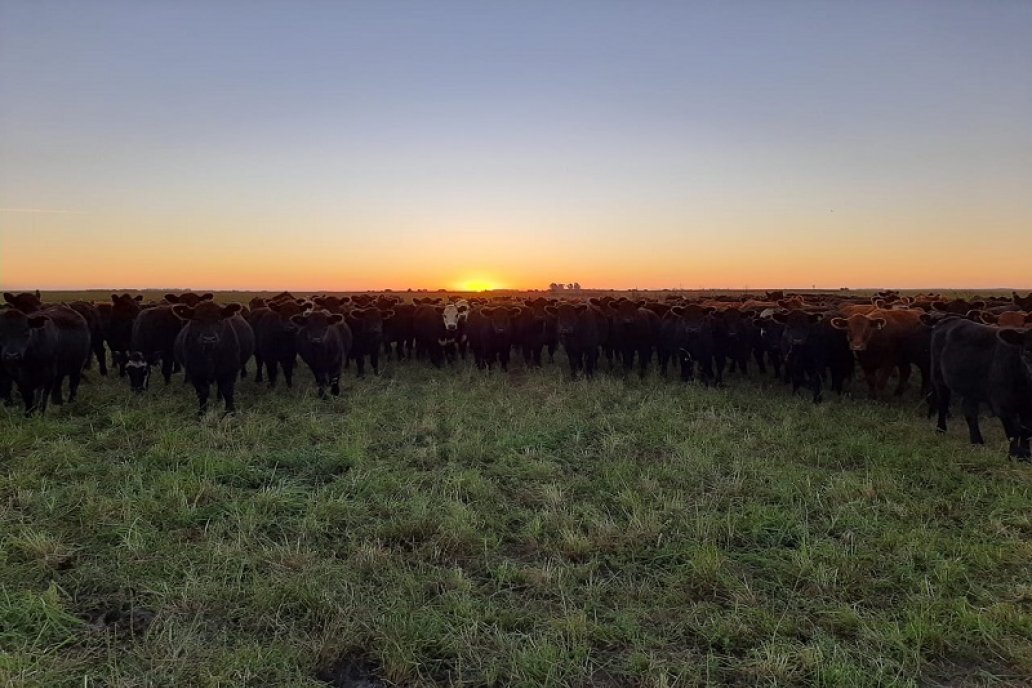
477, 284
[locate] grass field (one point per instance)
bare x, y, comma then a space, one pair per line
454, 527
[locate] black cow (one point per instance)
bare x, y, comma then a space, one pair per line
439, 330
276, 339
117, 323
535, 330
323, 341
491, 333
38, 351
692, 339
26, 302
188, 298
91, 315
209, 350
734, 336
770, 344
399, 332
811, 347
154, 337
634, 330
985, 365
367, 330
581, 328
1022, 302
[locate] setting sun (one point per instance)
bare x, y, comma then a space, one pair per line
478, 284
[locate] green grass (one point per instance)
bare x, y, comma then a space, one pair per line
453, 527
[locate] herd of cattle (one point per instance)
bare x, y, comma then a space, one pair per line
980, 351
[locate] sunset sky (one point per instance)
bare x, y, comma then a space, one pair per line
317, 145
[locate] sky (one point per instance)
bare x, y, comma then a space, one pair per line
323, 145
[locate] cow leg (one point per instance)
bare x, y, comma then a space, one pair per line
970, 408
73, 385
436, 355
590, 362
272, 370
644, 358
760, 364
374, 361
166, 368
537, 356
101, 354
904, 376
258, 363
6, 387
815, 380
28, 395
203, 392
1017, 435
288, 371
227, 389
360, 365
55, 390
871, 375
551, 353
503, 358
942, 405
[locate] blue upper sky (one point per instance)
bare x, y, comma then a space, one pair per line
616, 143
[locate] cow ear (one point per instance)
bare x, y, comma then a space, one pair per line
878, 323
787, 305
552, 310
939, 305
8, 297
182, 311
37, 321
230, 309
138, 298
1011, 337
515, 311
463, 307
299, 320
677, 310
983, 317
171, 298
879, 303
336, 318
345, 299
208, 297
840, 323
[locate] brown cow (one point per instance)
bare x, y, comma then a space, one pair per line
883, 340
1011, 319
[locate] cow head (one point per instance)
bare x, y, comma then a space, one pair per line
206, 321
369, 320
137, 369
501, 318
1009, 319
189, 298
859, 329
1022, 339
625, 312
17, 332
450, 316
315, 324
286, 310
798, 326
566, 315
26, 302
693, 317
1023, 302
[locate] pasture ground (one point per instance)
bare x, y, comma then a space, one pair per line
453, 527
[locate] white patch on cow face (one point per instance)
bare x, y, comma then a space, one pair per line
450, 316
